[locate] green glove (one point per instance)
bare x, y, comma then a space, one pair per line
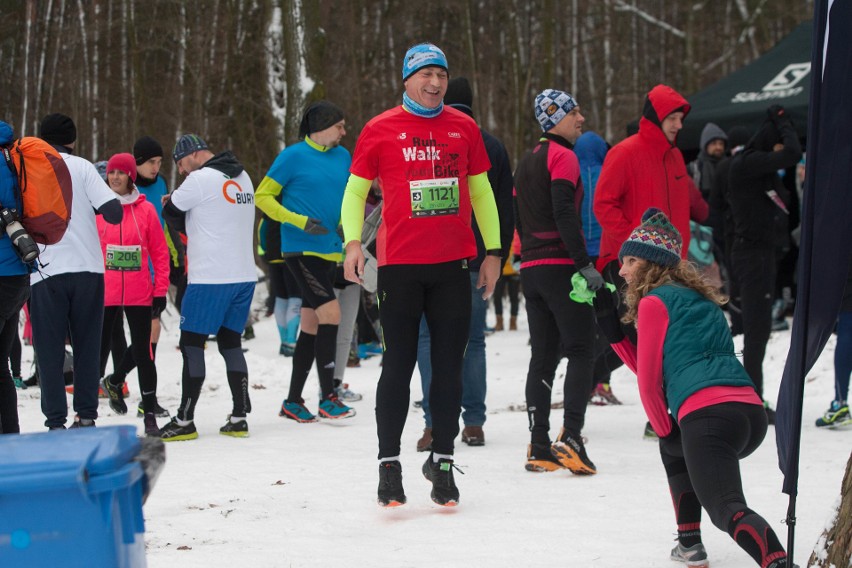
580, 292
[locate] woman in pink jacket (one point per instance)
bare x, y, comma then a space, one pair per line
136, 259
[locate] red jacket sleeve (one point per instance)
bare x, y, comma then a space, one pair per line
609, 195
653, 324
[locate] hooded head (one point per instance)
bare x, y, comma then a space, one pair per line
591, 149
738, 136
711, 133
766, 137
660, 104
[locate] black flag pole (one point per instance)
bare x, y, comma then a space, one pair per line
824, 253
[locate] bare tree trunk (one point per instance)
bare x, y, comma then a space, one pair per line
834, 548
26, 81
608, 71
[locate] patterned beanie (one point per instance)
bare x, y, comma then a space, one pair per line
186, 145
551, 106
423, 55
655, 240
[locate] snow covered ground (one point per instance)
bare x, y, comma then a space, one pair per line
295, 495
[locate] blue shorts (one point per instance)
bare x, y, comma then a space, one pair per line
208, 307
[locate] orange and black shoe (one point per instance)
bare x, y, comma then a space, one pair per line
540, 458
391, 493
572, 454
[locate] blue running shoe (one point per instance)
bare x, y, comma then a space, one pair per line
296, 411
332, 408
837, 415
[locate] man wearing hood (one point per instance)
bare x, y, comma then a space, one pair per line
647, 170
714, 143
760, 219
214, 207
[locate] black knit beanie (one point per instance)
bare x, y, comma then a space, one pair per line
459, 95
319, 116
145, 149
57, 129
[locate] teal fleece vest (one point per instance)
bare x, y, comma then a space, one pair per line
698, 351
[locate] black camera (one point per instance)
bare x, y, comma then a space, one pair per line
24, 244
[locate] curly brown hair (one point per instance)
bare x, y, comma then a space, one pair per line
650, 276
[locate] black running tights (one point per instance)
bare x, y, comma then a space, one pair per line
405, 293
703, 461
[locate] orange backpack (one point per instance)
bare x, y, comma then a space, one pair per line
45, 185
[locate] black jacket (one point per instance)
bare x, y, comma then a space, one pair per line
758, 221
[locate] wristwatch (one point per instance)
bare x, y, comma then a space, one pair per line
492, 252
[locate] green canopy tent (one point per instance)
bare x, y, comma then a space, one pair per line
781, 76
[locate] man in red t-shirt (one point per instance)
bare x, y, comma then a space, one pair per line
432, 164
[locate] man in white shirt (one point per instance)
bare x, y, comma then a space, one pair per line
68, 288
214, 207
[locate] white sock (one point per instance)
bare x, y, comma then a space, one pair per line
436, 457
183, 422
390, 459
235, 419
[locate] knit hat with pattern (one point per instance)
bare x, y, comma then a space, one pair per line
551, 106
186, 145
655, 240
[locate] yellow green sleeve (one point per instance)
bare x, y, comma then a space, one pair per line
352, 209
485, 210
265, 198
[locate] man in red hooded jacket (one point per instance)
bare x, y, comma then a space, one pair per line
647, 170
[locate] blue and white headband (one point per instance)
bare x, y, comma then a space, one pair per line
420, 56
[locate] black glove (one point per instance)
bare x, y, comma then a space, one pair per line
593, 278
157, 306
314, 227
607, 315
777, 114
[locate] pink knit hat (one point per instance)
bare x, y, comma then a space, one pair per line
123, 162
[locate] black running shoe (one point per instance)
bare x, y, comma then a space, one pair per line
444, 490
159, 411
391, 493
235, 429
115, 396
174, 432
82, 423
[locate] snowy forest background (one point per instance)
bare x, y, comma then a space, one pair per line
239, 72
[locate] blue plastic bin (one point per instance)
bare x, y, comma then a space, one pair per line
72, 498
